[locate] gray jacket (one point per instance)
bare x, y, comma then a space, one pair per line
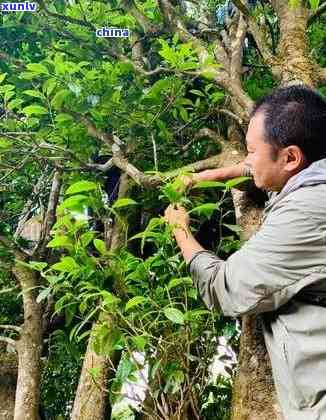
280, 272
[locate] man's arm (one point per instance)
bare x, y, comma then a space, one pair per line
187, 243
179, 219
220, 174
271, 267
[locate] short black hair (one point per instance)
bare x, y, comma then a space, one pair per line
295, 115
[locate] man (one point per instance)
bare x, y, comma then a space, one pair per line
281, 271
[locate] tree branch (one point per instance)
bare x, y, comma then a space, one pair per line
51, 210
11, 327
6, 57
237, 48
109, 139
8, 340
265, 52
28, 207
143, 21
230, 114
11, 246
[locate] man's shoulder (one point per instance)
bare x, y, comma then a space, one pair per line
308, 200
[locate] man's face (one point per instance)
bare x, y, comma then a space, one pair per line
268, 173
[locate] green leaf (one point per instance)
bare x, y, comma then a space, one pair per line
174, 315
60, 242
28, 75
124, 370
314, 4
140, 342
35, 110
135, 301
209, 184
33, 93
184, 114
48, 86
154, 223
205, 209
73, 201
175, 38
187, 281
155, 368
171, 193
100, 246
234, 228
86, 238
216, 97
66, 265
81, 186
37, 68
5, 144
15, 103
64, 119
43, 295
236, 181
8, 95
109, 299
38, 265
59, 98
197, 92
124, 202
2, 77
196, 314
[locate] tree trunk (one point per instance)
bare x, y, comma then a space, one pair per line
8, 380
91, 396
29, 348
254, 394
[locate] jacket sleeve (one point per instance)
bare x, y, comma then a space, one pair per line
269, 269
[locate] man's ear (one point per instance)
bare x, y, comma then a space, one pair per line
294, 158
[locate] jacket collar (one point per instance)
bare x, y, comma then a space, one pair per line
312, 175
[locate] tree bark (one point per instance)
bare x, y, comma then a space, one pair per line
8, 380
92, 395
29, 348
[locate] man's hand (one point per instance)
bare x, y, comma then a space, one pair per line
177, 217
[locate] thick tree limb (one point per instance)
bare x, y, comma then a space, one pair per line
263, 48
8, 340
109, 139
147, 181
28, 207
50, 215
11, 327
91, 396
237, 48
29, 347
231, 114
12, 247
